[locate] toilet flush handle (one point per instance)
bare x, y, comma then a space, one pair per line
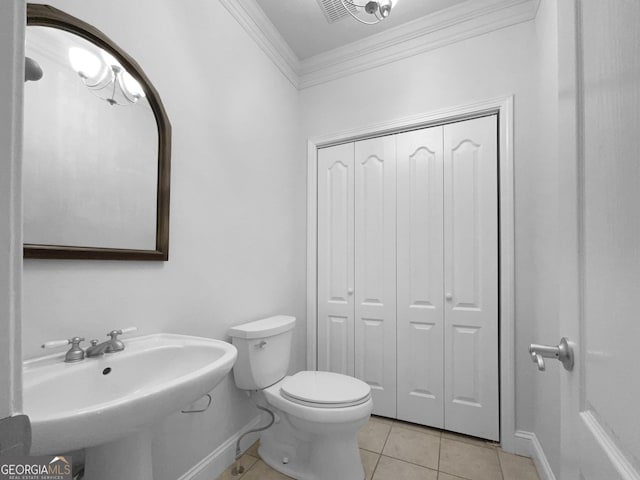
261, 344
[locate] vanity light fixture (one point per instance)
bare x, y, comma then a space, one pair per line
105, 77
371, 11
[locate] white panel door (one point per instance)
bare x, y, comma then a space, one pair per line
600, 219
471, 277
420, 295
336, 259
375, 270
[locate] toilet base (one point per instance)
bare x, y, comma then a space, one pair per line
315, 452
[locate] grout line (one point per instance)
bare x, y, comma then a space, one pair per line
387, 437
370, 451
376, 466
500, 463
411, 463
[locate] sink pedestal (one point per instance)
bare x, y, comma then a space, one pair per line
126, 459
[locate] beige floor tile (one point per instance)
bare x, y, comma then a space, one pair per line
253, 449
369, 462
469, 461
392, 469
446, 476
376, 418
479, 442
413, 446
419, 428
515, 467
246, 461
262, 471
374, 434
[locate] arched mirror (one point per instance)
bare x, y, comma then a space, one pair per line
97, 146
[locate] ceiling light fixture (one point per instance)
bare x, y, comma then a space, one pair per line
371, 11
105, 77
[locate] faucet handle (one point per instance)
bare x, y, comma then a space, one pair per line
116, 343
62, 343
55, 343
75, 353
114, 333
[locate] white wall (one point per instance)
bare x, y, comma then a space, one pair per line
492, 65
237, 244
12, 17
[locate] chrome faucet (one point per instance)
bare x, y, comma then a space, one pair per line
75, 353
114, 344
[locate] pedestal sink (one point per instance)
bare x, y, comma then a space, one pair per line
106, 404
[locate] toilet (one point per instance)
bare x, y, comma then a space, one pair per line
318, 414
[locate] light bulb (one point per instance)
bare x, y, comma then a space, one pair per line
110, 59
385, 7
132, 86
85, 63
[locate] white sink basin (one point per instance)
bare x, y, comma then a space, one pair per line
101, 400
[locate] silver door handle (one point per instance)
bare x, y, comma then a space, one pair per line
562, 352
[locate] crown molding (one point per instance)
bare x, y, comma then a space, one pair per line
251, 17
460, 22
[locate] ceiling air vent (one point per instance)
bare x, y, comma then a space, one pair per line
334, 10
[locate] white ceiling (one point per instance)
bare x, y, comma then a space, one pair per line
306, 30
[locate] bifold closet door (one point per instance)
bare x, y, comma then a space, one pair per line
420, 295
408, 272
471, 277
375, 270
336, 259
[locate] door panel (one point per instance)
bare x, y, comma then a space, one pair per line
611, 222
465, 376
337, 337
335, 259
600, 427
420, 277
471, 277
375, 276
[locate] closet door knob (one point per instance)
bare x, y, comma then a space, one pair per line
448, 296
350, 291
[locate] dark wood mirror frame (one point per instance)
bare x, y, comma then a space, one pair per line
47, 16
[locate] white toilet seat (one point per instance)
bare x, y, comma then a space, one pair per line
324, 389
318, 412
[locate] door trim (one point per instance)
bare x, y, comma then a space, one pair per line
503, 107
13, 21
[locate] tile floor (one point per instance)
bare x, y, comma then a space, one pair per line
394, 450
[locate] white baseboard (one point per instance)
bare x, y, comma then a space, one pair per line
216, 462
527, 444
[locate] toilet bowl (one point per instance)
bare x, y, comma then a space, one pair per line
318, 414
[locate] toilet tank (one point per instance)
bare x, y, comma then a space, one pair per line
264, 350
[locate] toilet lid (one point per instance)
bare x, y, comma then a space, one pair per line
325, 389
